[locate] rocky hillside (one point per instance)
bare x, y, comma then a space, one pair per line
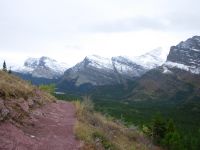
18, 98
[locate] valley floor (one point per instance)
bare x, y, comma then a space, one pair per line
50, 128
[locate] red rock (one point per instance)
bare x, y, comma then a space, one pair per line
30, 102
24, 106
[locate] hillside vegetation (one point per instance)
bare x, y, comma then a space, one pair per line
101, 132
18, 98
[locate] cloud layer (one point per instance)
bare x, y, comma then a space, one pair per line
64, 28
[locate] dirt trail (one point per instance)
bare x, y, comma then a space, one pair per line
51, 128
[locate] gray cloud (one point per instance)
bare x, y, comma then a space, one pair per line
130, 24
170, 23
184, 22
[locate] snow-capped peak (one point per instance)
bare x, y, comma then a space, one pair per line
99, 62
45, 62
151, 59
147, 61
40, 67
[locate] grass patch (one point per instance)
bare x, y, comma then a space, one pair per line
13, 87
101, 132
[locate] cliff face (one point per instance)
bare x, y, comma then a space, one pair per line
185, 55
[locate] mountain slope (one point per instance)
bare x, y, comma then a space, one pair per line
156, 85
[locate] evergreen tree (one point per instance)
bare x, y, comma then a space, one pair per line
172, 141
170, 126
158, 128
4, 66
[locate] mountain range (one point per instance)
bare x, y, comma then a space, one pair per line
94, 69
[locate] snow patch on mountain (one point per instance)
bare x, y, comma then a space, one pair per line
125, 66
151, 59
196, 50
191, 69
99, 62
54, 65
166, 70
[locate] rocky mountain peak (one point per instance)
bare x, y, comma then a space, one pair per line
193, 42
185, 55
44, 60
31, 62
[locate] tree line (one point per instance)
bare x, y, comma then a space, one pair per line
164, 133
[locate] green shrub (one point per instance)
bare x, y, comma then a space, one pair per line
48, 88
105, 142
172, 141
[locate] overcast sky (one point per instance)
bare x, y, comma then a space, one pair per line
68, 30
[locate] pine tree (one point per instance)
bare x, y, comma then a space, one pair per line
4, 66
